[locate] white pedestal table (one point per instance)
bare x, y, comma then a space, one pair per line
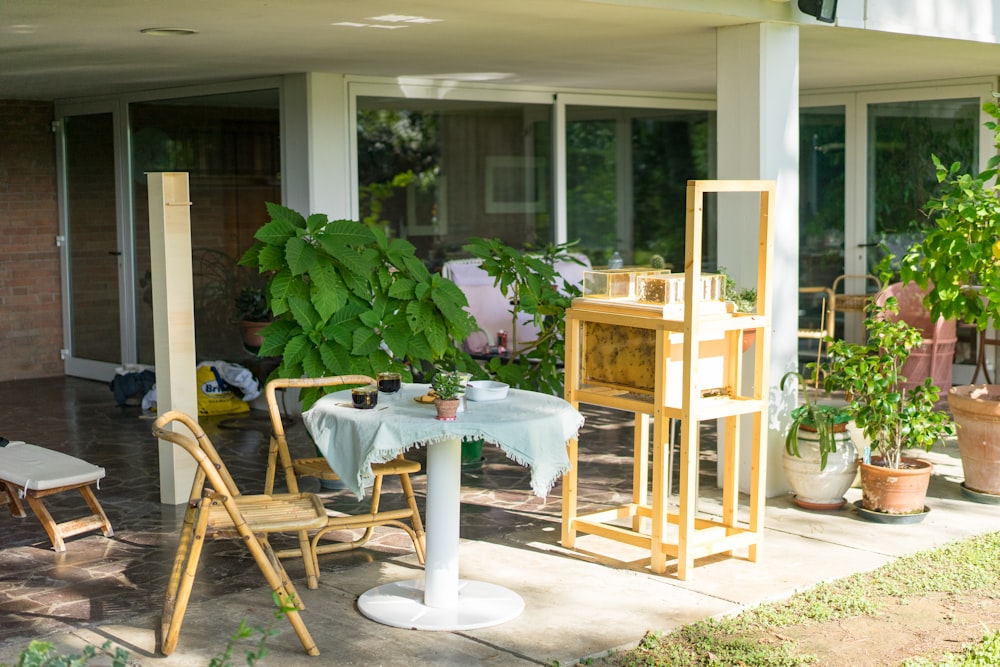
531, 428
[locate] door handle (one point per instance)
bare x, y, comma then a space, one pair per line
115, 252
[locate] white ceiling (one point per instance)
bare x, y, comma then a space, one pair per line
54, 49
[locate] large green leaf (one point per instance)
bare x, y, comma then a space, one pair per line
336, 358
365, 342
278, 334
328, 292
296, 349
300, 256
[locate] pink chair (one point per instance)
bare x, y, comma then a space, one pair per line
934, 358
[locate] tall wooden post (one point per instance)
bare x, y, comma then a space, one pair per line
173, 321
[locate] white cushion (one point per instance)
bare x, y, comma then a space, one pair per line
36, 468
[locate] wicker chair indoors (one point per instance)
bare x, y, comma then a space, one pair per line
218, 510
318, 467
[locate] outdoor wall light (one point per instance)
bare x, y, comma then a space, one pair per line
168, 32
823, 10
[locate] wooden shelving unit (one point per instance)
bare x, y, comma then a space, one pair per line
676, 363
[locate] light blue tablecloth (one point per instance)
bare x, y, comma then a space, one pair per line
531, 428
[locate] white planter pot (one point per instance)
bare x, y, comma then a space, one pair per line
821, 489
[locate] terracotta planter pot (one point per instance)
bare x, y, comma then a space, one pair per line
976, 409
891, 491
821, 489
251, 333
446, 410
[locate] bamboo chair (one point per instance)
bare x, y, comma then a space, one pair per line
218, 510
319, 468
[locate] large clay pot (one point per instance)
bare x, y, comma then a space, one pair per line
821, 489
976, 409
895, 491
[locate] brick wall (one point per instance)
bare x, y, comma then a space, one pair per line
30, 301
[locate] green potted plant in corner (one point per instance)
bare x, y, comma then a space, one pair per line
253, 314
959, 263
820, 459
447, 387
893, 418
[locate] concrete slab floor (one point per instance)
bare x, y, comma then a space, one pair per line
578, 603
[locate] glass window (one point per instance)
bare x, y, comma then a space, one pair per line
626, 175
901, 178
230, 146
821, 207
439, 172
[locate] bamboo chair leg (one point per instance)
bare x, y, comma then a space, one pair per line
277, 578
309, 561
182, 577
419, 544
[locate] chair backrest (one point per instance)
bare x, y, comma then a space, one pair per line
210, 466
279, 443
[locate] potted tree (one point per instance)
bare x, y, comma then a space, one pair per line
447, 388
820, 459
348, 300
893, 418
959, 263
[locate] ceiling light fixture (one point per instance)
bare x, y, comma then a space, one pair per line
168, 32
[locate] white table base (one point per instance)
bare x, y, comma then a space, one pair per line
401, 605
441, 601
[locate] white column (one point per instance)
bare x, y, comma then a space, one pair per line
173, 321
758, 138
316, 146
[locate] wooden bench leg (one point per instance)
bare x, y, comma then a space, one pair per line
48, 523
95, 507
8, 494
57, 532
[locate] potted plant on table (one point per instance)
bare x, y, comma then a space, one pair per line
959, 261
447, 387
820, 459
892, 417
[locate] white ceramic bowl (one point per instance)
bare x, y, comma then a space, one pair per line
486, 390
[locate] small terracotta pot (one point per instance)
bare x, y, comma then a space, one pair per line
446, 410
891, 491
251, 333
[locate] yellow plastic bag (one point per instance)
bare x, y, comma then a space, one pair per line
215, 397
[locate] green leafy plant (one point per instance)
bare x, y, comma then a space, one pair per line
892, 417
823, 419
348, 300
960, 255
539, 292
44, 654
251, 305
745, 299
446, 385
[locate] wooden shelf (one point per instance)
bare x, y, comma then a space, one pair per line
684, 362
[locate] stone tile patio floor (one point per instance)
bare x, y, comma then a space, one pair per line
112, 588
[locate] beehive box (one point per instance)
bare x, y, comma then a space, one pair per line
623, 357
614, 284
660, 289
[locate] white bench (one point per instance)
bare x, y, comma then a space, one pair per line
32, 472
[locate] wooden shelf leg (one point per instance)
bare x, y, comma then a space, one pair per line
640, 466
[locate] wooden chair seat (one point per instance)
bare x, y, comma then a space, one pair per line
406, 519
216, 509
272, 513
319, 467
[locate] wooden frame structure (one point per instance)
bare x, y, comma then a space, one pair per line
699, 350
